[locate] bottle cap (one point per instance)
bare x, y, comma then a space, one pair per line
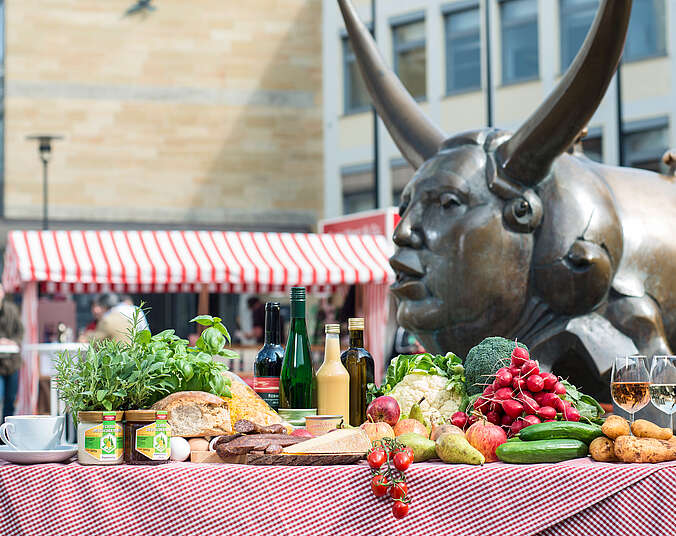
355, 323
271, 306
332, 328
298, 293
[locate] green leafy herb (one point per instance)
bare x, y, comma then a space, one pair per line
112, 375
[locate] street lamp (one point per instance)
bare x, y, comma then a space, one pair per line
45, 153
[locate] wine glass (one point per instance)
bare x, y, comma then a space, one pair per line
629, 383
663, 385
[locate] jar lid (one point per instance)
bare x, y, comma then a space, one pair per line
355, 323
97, 416
332, 328
145, 415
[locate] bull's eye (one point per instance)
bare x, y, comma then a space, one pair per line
448, 200
521, 209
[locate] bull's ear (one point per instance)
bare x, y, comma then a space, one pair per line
523, 214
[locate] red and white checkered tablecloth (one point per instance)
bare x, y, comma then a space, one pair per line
578, 497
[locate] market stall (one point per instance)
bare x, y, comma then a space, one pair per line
190, 261
577, 497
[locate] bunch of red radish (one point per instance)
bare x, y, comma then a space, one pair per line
521, 395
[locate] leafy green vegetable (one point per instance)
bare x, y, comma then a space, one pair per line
484, 360
448, 366
112, 375
590, 410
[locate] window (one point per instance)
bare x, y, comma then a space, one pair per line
358, 191
402, 172
356, 96
646, 34
409, 56
519, 27
645, 142
463, 50
592, 147
576, 19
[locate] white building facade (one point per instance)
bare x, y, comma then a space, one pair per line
438, 48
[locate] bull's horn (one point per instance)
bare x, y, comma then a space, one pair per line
528, 155
414, 133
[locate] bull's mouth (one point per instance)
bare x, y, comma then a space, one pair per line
410, 274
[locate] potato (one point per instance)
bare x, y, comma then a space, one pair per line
615, 426
644, 450
602, 450
643, 428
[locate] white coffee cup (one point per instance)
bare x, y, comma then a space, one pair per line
32, 432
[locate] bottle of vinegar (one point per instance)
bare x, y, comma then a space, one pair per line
360, 367
333, 381
268, 364
297, 385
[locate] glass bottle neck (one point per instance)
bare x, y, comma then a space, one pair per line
356, 338
273, 329
332, 348
298, 309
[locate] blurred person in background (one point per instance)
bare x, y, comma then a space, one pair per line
113, 323
97, 311
127, 308
11, 333
257, 308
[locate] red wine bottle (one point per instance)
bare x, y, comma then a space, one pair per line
268, 364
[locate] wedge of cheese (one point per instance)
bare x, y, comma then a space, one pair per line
345, 441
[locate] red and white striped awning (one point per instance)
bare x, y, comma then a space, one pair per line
184, 261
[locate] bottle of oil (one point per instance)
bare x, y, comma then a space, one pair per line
360, 367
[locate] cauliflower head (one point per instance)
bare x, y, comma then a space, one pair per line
439, 404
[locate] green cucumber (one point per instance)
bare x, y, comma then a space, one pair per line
561, 430
542, 451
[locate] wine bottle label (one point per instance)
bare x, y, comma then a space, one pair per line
267, 387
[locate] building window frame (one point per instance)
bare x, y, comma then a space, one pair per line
523, 21
349, 58
397, 48
659, 52
355, 191
640, 126
564, 45
448, 11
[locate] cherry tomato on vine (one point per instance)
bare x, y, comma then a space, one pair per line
399, 509
376, 458
403, 460
398, 490
379, 485
410, 451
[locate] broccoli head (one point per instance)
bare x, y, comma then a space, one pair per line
484, 360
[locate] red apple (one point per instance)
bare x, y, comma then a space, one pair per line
405, 426
377, 430
384, 409
301, 432
486, 437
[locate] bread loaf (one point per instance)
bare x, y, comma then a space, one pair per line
196, 414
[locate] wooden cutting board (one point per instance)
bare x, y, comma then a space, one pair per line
277, 459
209, 456
303, 459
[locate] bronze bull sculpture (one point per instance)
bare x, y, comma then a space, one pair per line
519, 235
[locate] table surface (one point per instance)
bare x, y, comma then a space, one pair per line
577, 497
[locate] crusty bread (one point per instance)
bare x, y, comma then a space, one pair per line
247, 405
196, 414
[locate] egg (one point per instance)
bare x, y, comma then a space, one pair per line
198, 444
180, 449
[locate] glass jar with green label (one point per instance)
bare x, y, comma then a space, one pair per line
146, 437
100, 437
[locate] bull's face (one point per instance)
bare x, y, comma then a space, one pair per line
472, 210
460, 269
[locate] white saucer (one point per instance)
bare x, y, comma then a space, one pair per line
59, 454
